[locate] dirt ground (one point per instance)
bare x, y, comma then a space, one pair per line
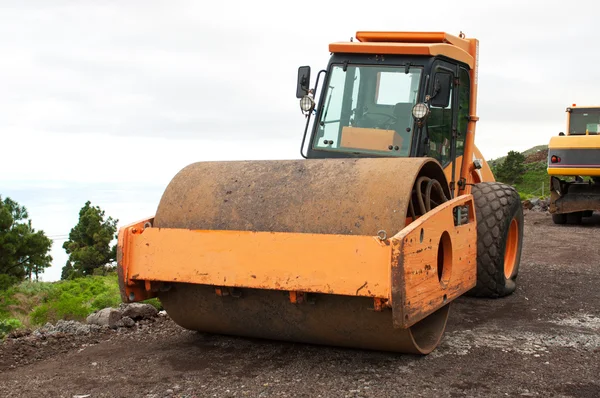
542, 341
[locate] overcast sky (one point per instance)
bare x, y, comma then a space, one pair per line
107, 100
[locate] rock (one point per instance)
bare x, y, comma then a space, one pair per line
48, 327
126, 322
63, 328
137, 311
16, 334
536, 204
105, 317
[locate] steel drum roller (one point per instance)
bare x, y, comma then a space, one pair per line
328, 196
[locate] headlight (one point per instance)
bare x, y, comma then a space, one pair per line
420, 111
307, 103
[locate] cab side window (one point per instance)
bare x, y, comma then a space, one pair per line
464, 91
439, 128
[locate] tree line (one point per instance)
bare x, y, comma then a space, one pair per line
511, 170
24, 251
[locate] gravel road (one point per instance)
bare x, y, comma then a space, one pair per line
543, 341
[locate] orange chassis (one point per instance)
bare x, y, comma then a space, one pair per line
420, 269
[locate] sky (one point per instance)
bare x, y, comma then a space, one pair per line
107, 101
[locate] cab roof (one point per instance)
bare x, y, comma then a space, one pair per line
575, 106
408, 43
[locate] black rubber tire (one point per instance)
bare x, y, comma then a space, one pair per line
559, 218
574, 218
496, 205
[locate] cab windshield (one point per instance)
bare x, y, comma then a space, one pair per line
368, 109
584, 121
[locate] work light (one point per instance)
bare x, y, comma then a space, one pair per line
307, 103
420, 111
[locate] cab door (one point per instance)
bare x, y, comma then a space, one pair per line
448, 121
441, 122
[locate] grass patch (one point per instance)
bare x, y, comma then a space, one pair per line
32, 304
535, 181
535, 177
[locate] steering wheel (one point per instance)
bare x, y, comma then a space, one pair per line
386, 122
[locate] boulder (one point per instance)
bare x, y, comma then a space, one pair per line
534, 201
105, 317
126, 322
139, 311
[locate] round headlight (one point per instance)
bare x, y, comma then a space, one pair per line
420, 110
307, 103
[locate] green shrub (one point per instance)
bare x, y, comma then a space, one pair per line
106, 299
36, 303
39, 315
7, 281
154, 302
40, 302
71, 306
8, 325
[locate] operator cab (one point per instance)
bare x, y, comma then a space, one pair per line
386, 105
583, 121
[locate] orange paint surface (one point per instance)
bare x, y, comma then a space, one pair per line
334, 264
429, 49
412, 37
401, 270
426, 282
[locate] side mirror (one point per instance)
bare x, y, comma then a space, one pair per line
303, 81
440, 98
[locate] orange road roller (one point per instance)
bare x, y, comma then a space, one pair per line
365, 241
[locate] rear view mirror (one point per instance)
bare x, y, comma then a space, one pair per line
303, 81
440, 97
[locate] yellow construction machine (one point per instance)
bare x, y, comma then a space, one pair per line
391, 214
576, 158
